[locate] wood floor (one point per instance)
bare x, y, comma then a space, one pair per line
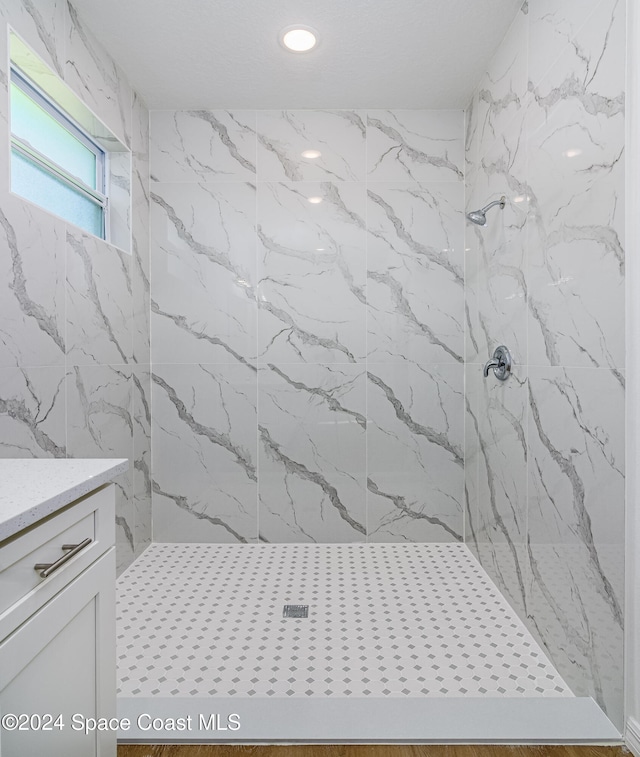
377, 750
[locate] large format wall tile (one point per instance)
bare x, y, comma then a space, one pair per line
338, 135
500, 248
311, 271
352, 277
546, 278
499, 533
417, 145
96, 77
574, 623
42, 25
70, 304
140, 228
472, 242
33, 287
32, 412
503, 87
312, 438
576, 526
472, 454
100, 424
552, 27
204, 453
204, 273
415, 281
471, 140
415, 452
141, 456
99, 301
203, 145
577, 204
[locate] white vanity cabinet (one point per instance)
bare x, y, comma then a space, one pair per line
57, 631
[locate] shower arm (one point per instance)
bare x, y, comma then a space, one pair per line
501, 202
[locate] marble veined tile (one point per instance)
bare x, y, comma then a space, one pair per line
415, 465
204, 273
471, 140
203, 145
339, 136
5, 155
501, 248
41, 25
420, 145
208, 491
119, 193
576, 226
415, 279
573, 623
500, 423
496, 254
472, 453
577, 446
553, 26
32, 329
140, 232
141, 410
312, 439
503, 87
100, 424
96, 78
312, 272
576, 525
32, 412
474, 198
99, 301
472, 270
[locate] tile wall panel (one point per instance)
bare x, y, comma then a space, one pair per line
545, 452
336, 304
204, 452
74, 310
312, 272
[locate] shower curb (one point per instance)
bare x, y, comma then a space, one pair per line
365, 719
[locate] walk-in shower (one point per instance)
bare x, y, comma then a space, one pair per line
291, 356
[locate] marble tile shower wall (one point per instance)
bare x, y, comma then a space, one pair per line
74, 310
308, 326
545, 451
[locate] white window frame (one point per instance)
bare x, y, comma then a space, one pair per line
98, 196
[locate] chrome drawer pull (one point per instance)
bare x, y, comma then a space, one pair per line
48, 568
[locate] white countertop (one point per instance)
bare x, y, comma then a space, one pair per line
32, 489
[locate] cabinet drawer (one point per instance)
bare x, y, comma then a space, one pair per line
22, 588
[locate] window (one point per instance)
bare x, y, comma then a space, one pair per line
54, 162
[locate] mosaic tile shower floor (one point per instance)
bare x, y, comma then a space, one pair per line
384, 620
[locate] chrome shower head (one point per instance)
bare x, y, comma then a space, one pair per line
479, 217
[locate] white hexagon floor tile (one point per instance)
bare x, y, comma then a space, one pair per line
384, 620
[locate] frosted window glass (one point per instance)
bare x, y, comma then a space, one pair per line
35, 184
35, 126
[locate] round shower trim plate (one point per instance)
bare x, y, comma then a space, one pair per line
296, 27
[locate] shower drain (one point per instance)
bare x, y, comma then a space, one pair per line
295, 611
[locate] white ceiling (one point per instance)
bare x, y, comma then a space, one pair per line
189, 54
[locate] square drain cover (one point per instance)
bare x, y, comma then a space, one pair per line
295, 611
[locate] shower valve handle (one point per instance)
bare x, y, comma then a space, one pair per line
500, 362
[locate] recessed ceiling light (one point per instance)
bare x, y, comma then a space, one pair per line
311, 154
298, 38
315, 200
